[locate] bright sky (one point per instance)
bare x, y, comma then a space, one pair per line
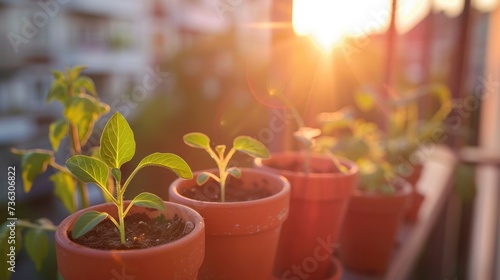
327, 21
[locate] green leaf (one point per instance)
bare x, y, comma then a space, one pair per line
170, 161
372, 175
57, 131
148, 200
5, 250
82, 111
86, 84
251, 147
364, 100
37, 246
58, 75
235, 172
117, 142
88, 169
65, 190
197, 140
332, 121
75, 72
34, 163
117, 174
86, 222
202, 178
58, 91
352, 147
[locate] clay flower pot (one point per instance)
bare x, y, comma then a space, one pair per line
370, 229
178, 260
317, 208
416, 197
241, 237
335, 273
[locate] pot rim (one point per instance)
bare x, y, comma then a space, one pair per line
351, 165
61, 234
403, 188
285, 190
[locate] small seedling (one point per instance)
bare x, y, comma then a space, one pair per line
245, 144
118, 147
306, 135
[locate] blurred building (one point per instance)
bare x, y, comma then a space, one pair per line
121, 42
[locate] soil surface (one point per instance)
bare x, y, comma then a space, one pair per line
141, 232
210, 191
298, 166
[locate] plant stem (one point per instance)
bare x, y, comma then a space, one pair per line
222, 163
223, 176
121, 216
291, 107
300, 124
77, 149
26, 224
84, 195
59, 167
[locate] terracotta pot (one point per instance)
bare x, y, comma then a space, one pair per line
416, 197
370, 229
241, 237
317, 208
335, 273
179, 259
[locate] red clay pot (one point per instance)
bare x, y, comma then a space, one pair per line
178, 260
317, 208
335, 273
241, 237
370, 229
416, 197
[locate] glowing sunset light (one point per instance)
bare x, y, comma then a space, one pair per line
327, 21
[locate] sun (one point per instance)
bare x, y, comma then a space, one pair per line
327, 22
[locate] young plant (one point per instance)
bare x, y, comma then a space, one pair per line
117, 148
406, 129
303, 133
81, 110
358, 141
306, 135
244, 144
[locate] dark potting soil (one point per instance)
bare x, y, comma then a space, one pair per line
298, 166
141, 232
210, 191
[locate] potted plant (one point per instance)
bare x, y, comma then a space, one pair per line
372, 222
81, 111
144, 238
379, 202
243, 209
321, 185
409, 129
